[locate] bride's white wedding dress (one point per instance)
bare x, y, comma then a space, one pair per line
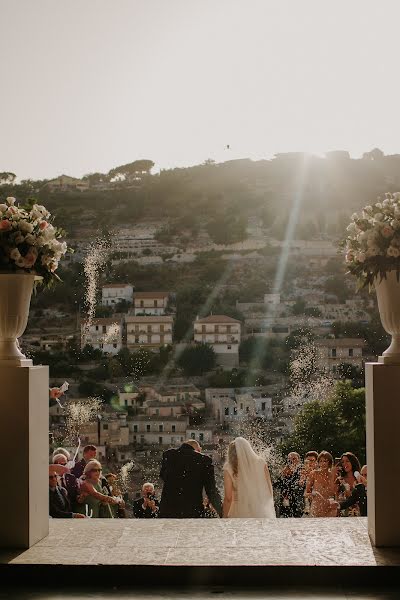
252, 488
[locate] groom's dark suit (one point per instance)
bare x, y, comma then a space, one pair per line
185, 473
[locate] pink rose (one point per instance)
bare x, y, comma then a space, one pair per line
43, 225
5, 225
387, 231
30, 257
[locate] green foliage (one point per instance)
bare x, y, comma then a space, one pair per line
197, 359
336, 424
236, 378
373, 333
227, 228
92, 389
299, 307
261, 353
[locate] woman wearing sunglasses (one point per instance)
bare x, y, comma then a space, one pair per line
93, 500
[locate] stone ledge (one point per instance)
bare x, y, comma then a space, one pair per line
299, 551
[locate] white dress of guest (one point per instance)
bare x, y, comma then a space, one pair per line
250, 489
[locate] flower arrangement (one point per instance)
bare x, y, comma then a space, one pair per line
29, 242
372, 245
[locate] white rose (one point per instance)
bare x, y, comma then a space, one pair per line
26, 227
3, 208
35, 215
10, 201
15, 254
378, 205
396, 253
352, 228
354, 216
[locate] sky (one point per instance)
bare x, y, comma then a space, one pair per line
91, 84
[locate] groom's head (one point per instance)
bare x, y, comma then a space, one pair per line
195, 445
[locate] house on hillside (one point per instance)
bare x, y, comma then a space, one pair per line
223, 334
333, 352
65, 183
103, 334
150, 303
149, 332
113, 293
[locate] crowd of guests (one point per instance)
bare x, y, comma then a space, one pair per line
322, 486
317, 487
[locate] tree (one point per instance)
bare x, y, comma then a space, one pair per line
336, 424
7, 177
196, 360
298, 307
137, 168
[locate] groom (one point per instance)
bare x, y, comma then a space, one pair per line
185, 472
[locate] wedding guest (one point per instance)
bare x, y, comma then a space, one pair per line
320, 489
62, 451
291, 488
92, 500
68, 480
118, 510
359, 494
89, 453
59, 504
147, 506
310, 463
346, 481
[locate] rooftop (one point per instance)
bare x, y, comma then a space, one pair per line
217, 319
144, 295
149, 319
341, 342
117, 285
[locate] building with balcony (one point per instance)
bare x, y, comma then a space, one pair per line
148, 332
150, 303
333, 352
160, 431
223, 334
113, 293
103, 334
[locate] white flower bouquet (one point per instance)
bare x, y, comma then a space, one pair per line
29, 242
372, 245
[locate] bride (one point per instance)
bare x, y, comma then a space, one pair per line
247, 483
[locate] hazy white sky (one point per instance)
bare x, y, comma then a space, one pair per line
91, 84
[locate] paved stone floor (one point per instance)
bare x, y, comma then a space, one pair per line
214, 542
121, 544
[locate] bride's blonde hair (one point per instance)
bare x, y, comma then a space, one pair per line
232, 458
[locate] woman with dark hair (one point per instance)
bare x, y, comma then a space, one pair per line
347, 472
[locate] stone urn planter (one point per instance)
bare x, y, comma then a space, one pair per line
388, 295
15, 297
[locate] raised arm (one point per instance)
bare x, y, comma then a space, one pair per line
87, 488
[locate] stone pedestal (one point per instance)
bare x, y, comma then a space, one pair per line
24, 452
383, 453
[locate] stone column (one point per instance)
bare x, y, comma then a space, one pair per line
383, 452
24, 452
